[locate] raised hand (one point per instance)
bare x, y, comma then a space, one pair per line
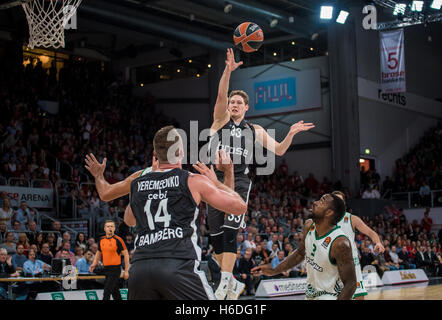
231, 65
300, 126
223, 161
93, 166
205, 171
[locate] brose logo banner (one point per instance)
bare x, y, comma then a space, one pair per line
392, 61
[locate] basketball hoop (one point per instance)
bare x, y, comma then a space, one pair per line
47, 20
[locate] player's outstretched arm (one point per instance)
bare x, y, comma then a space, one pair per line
220, 112
280, 148
107, 191
363, 228
216, 194
342, 254
292, 260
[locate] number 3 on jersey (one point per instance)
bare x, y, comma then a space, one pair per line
162, 214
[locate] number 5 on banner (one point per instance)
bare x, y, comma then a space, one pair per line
392, 59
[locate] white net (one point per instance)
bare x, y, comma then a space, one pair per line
47, 20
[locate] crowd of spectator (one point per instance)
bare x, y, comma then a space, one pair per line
419, 170
98, 114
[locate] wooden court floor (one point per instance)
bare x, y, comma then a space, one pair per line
418, 292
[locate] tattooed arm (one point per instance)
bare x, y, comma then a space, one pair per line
341, 253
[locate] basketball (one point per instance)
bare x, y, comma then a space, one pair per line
248, 37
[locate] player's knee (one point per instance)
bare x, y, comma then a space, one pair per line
230, 240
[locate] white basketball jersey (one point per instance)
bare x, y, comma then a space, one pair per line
347, 228
323, 281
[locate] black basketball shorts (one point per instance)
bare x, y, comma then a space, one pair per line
219, 220
168, 279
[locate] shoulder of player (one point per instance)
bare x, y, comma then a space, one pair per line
340, 244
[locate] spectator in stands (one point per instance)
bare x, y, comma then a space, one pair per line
370, 193
78, 253
367, 258
425, 194
259, 255
50, 239
23, 240
17, 229
406, 261
434, 261
94, 248
67, 237
394, 256
85, 262
56, 230
6, 270
249, 242
427, 222
129, 242
24, 214
39, 240
34, 266
18, 259
245, 265
240, 243
80, 241
90, 242
276, 261
9, 244
33, 233
67, 247
7, 213
46, 255
273, 239
3, 231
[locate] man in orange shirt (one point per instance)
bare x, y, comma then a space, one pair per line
110, 247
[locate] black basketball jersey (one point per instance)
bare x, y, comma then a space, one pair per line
165, 214
238, 141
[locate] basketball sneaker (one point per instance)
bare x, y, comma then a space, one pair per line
235, 289
221, 292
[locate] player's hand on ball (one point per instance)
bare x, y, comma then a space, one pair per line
223, 161
205, 171
265, 269
93, 166
231, 65
301, 126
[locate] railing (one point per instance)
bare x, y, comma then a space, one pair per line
19, 182
42, 183
70, 230
415, 200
